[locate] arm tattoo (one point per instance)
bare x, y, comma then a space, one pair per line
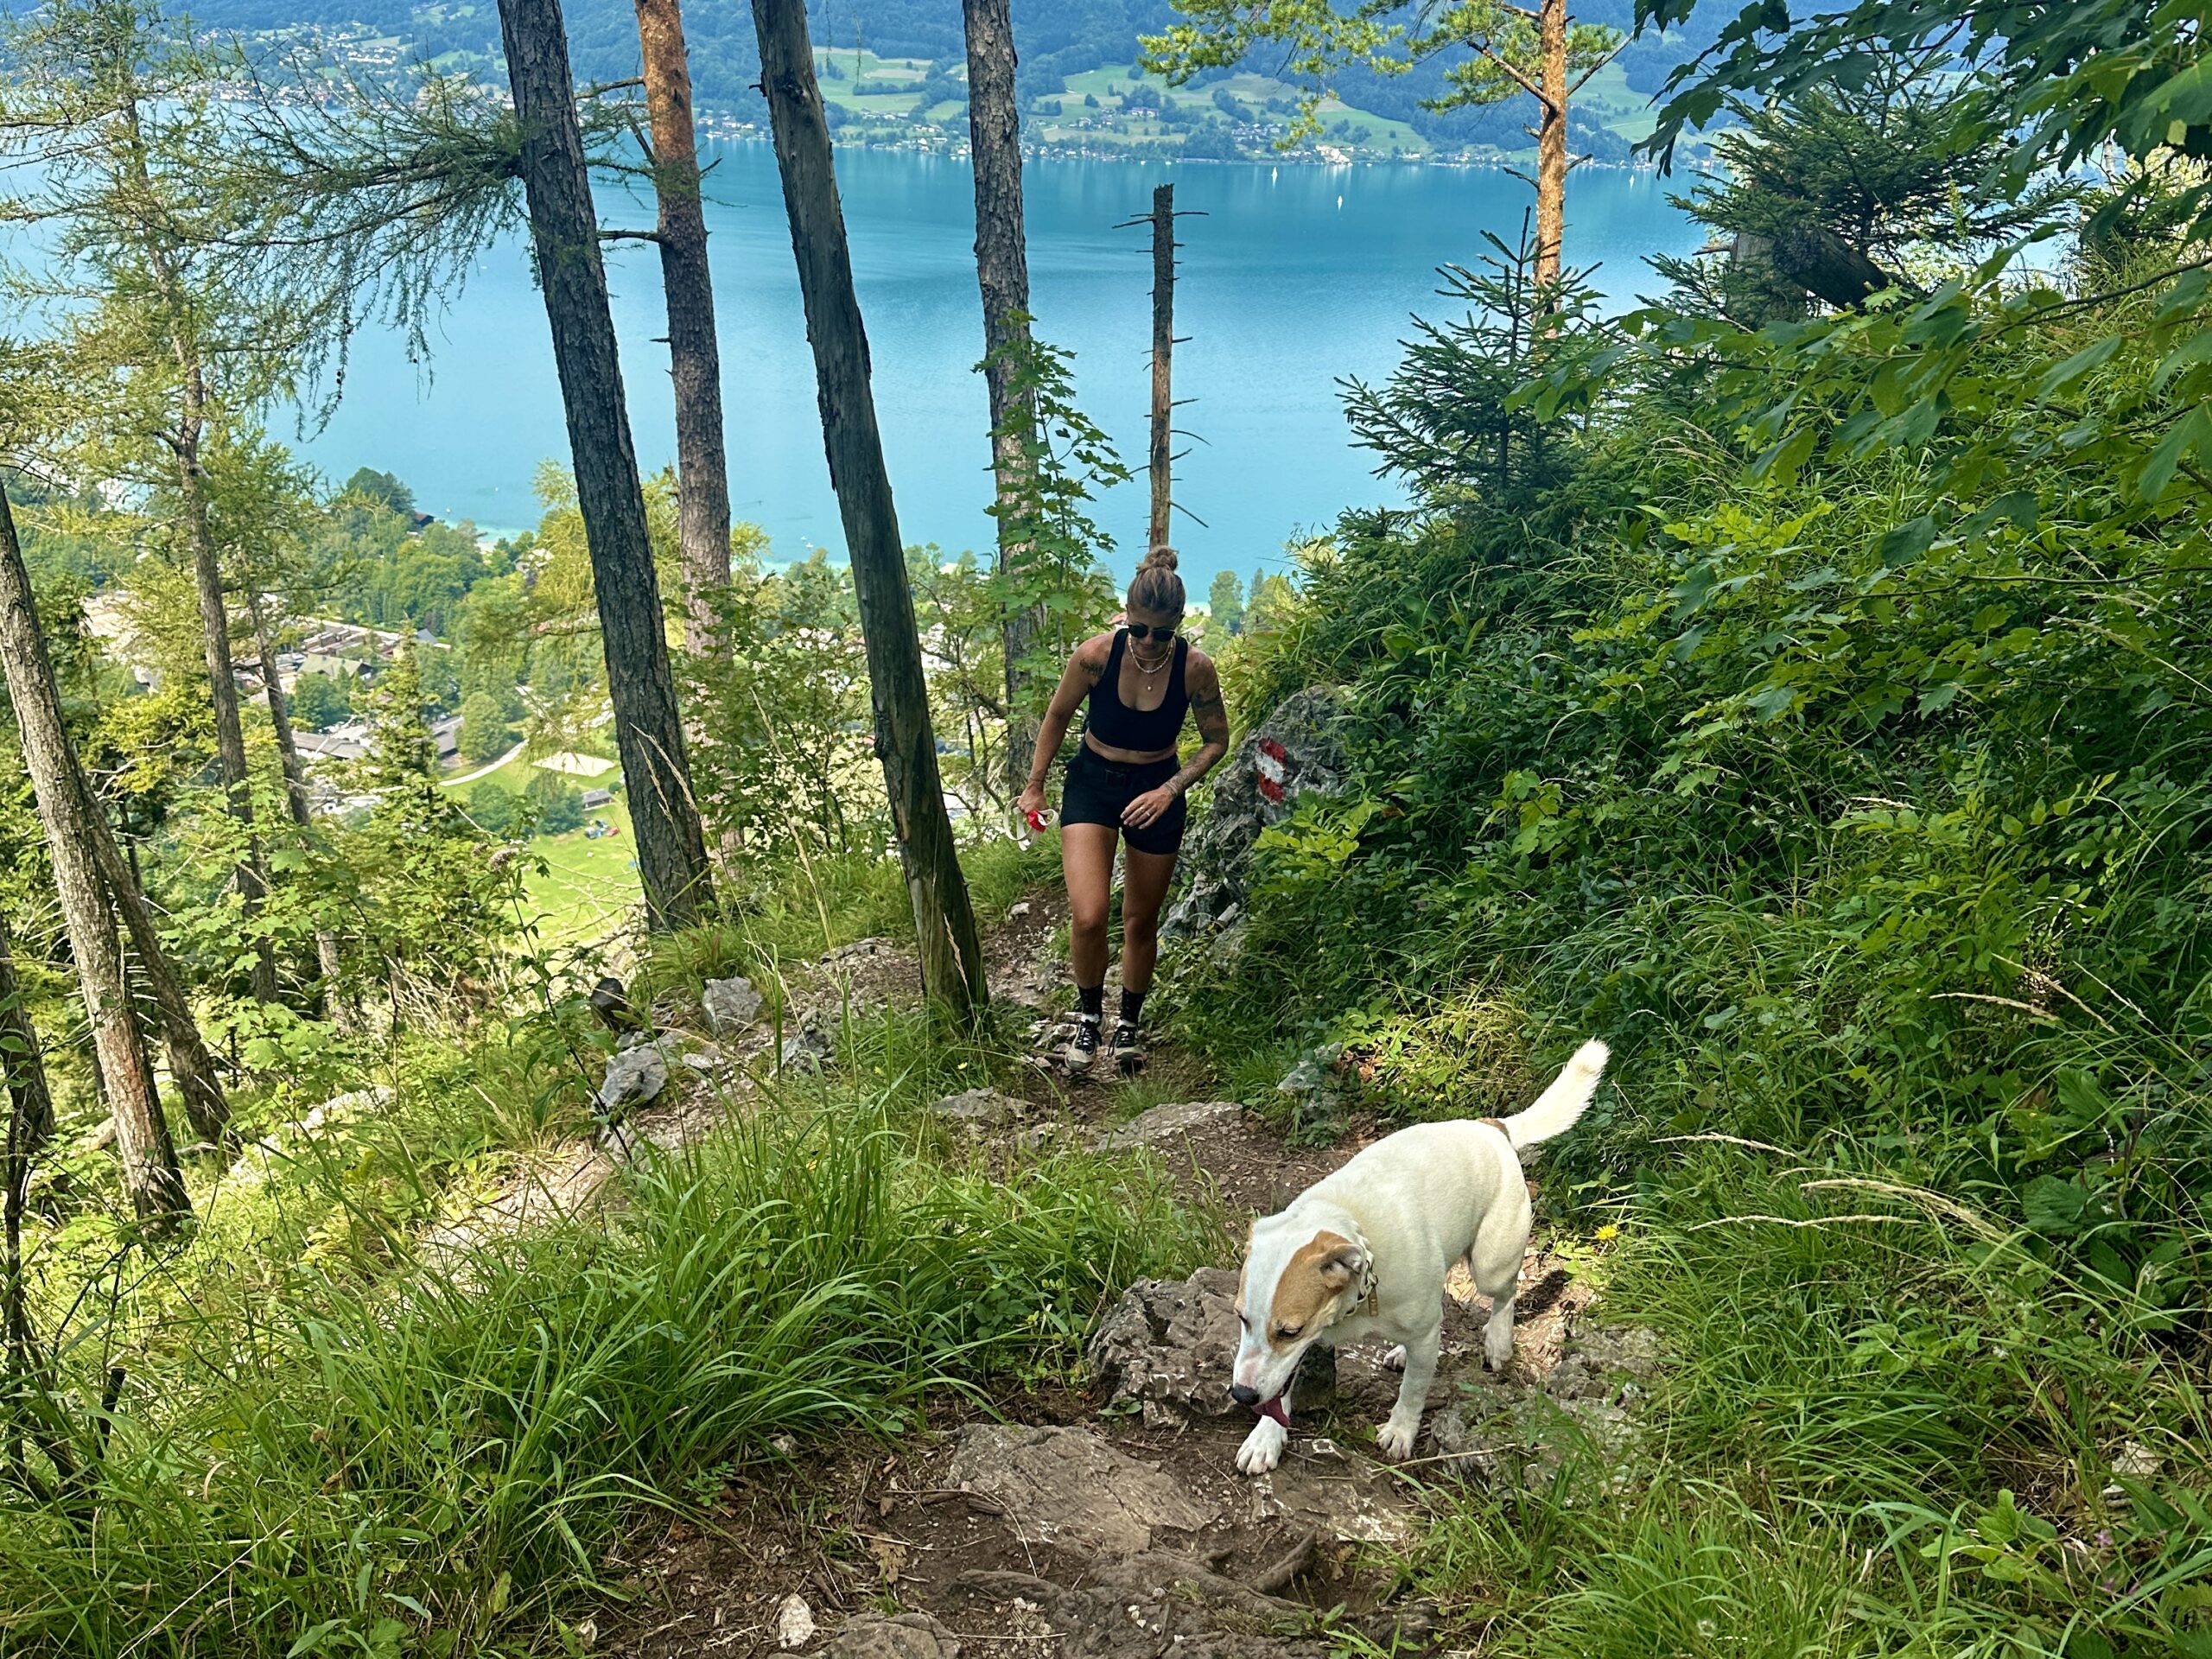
1213, 726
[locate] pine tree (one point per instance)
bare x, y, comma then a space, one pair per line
151, 1178
950, 949
564, 230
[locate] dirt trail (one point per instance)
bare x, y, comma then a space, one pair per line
1053, 1528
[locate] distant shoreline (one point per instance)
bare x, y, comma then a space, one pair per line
910, 140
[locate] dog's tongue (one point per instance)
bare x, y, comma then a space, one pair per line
1274, 1409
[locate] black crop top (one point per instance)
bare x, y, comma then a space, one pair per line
1142, 731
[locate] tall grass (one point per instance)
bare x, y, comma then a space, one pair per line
435, 1463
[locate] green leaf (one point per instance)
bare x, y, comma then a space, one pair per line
1773, 702
2053, 1206
2190, 433
1907, 542
2089, 358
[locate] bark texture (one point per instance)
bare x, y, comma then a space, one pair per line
694, 354
1002, 274
20, 1062
1829, 268
328, 962
150, 1178
252, 876
648, 735
951, 953
1163, 355
1552, 161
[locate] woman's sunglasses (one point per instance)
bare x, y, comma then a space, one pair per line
1138, 631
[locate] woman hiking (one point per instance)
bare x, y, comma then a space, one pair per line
1126, 781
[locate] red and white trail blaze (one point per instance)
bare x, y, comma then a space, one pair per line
1271, 765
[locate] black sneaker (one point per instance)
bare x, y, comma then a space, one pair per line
1129, 1047
1083, 1047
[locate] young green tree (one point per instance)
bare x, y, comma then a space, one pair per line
557, 804
112, 106
492, 804
1832, 192
1225, 602
1510, 50
485, 733
320, 701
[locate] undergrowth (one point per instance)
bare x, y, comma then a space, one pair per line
1860, 804
408, 1449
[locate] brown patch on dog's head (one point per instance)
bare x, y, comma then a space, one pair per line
1315, 1276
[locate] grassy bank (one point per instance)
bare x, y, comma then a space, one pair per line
432, 1456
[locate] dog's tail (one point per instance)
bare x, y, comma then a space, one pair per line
1556, 1110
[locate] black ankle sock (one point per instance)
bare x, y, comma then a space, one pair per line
1132, 1006
1092, 1000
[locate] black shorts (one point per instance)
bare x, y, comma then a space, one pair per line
1097, 788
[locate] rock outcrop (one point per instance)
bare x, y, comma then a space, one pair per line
1297, 750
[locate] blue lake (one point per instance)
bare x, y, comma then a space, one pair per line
1294, 276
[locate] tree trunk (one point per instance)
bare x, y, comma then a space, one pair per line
151, 1176
327, 963
20, 1061
952, 954
1002, 274
214, 623
1830, 269
206, 1107
694, 353
1551, 142
1163, 354
648, 735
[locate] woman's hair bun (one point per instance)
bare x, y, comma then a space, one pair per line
1160, 558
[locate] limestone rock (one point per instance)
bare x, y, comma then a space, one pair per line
1152, 1604
1512, 1434
1316, 1091
343, 1109
977, 1109
1321, 1489
1169, 1347
794, 1623
731, 1004
1163, 1122
909, 1635
807, 1049
633, 1077
1067, 1486
1298, 749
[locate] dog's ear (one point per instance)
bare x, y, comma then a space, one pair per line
1343, 1266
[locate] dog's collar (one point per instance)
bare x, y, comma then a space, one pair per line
1367, 1290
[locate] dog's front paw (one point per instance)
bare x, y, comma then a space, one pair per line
1263, 1447
1395, 1359
1395, 1439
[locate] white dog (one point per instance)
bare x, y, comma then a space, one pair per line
1364, 1252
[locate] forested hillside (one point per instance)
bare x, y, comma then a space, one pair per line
1055, 39
546, 1108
